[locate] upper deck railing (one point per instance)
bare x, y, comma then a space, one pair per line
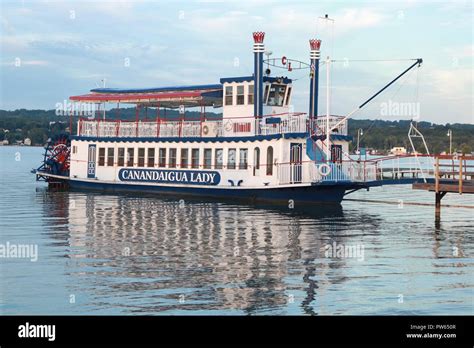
335, 125
239, 126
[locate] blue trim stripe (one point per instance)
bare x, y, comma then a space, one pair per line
334, 136
157, 89
306, 194
341, 137
192, 139
251, 78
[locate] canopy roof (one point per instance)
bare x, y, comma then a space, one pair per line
271, 79
169, 97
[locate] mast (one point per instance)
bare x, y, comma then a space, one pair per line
328, 111
314, 78
258, 49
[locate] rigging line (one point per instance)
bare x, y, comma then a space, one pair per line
402, 82
418, 78
391, 96
373, 60
321, 64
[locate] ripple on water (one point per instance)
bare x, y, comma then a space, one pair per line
120, 254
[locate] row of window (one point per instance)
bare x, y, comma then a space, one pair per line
274, 95
240, 95
188, 158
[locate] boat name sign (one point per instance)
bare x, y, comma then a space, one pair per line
170, 176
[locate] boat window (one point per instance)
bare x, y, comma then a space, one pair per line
110, 156
250, 94
101, 156
231, 158
240, 95
265, 95
74, 149
243, 158
228, 95
151, 157
195, 158
288, 95
121, 157
219, 159
162, 158
141, 156
270, 160
207, 158
277, 93
172, 160
256, 160
184, 158
130, 159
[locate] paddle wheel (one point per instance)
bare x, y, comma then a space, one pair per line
56, 161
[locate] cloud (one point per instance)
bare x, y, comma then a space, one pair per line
358, 18
453, 84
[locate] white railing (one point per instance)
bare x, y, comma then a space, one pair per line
333, 121
396, 167
283, 123
310, 172
295, 173
125, 129
291, 123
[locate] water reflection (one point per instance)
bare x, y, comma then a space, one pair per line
150, 255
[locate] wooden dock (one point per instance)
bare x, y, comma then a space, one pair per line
451, 174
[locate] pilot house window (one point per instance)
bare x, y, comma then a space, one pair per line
277, 93
250, 101
288, 94
240, 95
228, 95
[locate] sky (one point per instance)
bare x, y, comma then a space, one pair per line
50, 50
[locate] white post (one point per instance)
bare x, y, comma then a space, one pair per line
450, 134
328, 111
103, 80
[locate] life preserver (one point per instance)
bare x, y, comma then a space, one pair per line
326, 172
205, 130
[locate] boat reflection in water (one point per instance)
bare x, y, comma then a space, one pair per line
148, 255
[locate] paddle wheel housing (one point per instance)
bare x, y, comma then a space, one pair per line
56, 160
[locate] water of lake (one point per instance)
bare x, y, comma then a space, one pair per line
123, 254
